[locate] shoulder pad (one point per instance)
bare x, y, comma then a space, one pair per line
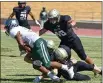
66, 18
28, 7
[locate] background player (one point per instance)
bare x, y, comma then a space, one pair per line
21, 13
43, 16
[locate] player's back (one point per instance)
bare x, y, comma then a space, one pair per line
27, 35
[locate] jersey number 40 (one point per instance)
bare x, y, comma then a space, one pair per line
60, 33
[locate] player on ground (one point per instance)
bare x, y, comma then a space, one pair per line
38, 48
63, 55
62, 25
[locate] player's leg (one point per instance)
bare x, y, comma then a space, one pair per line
22, 51
41, 59
81, 77
82, 66
78, 48
77, 76
41, 54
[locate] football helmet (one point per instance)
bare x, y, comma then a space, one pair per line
10, 23
50, 44
22, 4
61, 54
53, 16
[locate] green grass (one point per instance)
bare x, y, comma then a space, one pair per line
15, 70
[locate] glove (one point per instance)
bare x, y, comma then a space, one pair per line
37, 22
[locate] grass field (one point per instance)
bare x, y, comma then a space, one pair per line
15, 70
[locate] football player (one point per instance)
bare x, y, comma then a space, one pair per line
38, 48
21, 13
62, 26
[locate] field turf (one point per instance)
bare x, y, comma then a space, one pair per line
15, 70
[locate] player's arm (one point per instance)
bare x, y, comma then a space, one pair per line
28, 58
42, 31
71, 22
11, 15
21, 43
36, 22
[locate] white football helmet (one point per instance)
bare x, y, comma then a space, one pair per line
54, 16
61, 54
10, 23
50, 44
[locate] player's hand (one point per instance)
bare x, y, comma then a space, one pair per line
27, 48
6, 33
38, 24
76, 28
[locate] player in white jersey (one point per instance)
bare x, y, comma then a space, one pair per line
28, 40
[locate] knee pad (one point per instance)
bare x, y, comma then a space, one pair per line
37, 64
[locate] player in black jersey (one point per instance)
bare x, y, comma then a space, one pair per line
77, 65
62, 25
21, 13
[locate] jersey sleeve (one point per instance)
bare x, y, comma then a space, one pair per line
46, 26
28, 9
67, 18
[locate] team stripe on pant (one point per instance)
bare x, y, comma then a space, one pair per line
44, 52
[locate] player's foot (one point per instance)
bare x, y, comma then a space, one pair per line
97, 70
37, 79
100, 72
55, 79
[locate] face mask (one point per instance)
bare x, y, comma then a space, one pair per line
53, 20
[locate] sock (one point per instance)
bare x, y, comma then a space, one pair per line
37, 79
40, 77
50, 74
53, 77
64, 67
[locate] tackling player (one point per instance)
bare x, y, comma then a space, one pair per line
62, 25
38, 48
